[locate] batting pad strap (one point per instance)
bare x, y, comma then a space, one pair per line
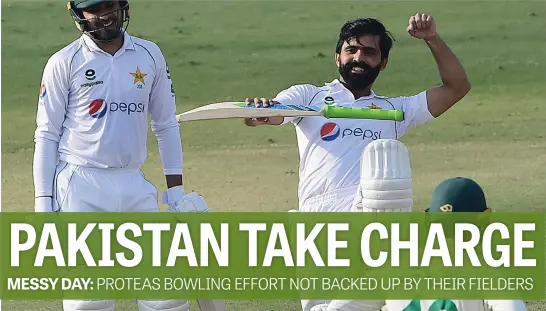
386, 195
386, 184
401, 204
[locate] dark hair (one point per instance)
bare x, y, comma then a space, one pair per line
366, 26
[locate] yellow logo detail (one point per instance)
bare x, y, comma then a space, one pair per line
374, 106
138, 75
446, 208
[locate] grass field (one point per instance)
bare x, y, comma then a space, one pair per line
227, 50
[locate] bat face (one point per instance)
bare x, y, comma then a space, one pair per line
229, 110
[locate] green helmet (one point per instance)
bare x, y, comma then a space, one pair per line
83, 4
104, 33
458, 194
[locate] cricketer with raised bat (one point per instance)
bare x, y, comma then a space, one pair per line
92, 126
331, 150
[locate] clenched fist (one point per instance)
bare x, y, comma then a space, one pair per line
422, 26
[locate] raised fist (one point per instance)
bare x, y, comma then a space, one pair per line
422, 26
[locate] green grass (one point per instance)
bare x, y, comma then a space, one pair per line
228, 50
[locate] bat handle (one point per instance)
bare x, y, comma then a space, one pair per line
362, 113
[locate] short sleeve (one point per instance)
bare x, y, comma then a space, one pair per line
415, 112
294, 95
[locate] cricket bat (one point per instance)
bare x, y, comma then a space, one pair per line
211, 305
230, 110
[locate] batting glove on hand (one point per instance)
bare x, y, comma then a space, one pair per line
43, 204
178, 201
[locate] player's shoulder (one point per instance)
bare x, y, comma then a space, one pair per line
147, 46
66, 54
398, 100
307, 88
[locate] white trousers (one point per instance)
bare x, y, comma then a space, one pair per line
340, 200
83, 189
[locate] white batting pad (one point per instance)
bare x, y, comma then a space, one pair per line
385, 178
88, 305
321, 307
163, 305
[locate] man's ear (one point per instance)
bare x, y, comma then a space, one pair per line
384, 63
336, 60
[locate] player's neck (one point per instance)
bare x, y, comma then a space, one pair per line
367, 91
361, 93
111, 47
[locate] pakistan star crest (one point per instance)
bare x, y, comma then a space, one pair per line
138, 75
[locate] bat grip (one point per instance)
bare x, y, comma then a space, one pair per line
363, 113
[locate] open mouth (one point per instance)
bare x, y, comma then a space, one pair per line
110, 23
357, 70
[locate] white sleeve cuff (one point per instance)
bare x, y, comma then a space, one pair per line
170, 150
44, 163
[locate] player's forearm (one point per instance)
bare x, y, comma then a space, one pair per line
170, 152
44, 165
450, 68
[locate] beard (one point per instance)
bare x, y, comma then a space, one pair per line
359, 80
101, 32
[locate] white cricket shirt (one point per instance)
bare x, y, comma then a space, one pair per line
330, 149
96, 105
93, 109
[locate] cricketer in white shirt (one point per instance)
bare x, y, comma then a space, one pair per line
92, 126
330, 149
93, 114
